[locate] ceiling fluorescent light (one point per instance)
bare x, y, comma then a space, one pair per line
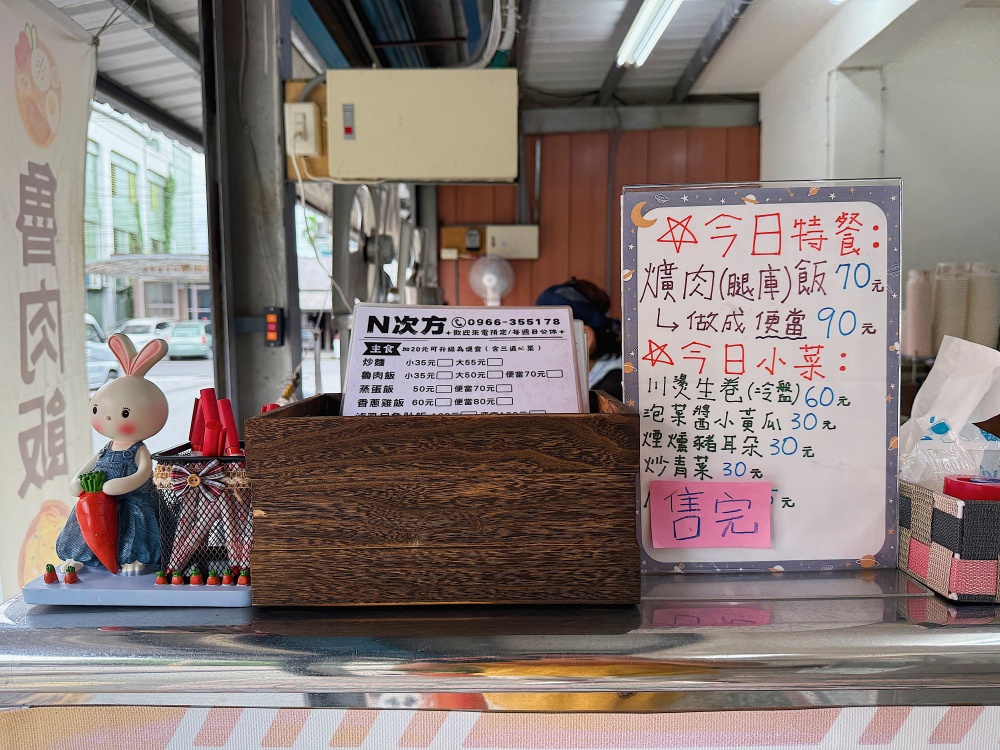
643, 20
650, 22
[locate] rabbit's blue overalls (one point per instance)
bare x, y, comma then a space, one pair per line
138, 516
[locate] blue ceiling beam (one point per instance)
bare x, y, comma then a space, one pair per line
390, 24
312, 27
473, 28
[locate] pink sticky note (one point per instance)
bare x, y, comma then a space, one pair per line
710, 514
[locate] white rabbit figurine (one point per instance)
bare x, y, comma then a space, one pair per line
128, 410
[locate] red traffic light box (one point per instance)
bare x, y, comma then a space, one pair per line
274, 326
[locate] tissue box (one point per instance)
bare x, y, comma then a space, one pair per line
951, 545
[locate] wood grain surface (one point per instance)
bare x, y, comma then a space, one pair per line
603, 403
491, 509
450, 509
453, 575
359, 450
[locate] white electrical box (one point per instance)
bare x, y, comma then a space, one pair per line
427, 125
512, 241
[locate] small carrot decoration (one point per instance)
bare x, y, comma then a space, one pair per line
227, 577
161, 578
177, 579
196, 577
244, 578
71, 576
97, 513
50, 574
213, 578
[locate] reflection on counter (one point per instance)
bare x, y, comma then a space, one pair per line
938, 611
788, 601
847, 584
774, 641
454, 621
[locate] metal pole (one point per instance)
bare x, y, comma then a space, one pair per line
253, 260
342, 318
427, 219
216, 167
317, 356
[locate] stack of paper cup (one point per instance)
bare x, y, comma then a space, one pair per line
982, 321
917, 342
951, 299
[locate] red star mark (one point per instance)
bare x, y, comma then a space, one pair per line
657, 354
678, 238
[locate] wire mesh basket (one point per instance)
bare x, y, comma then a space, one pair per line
206, 512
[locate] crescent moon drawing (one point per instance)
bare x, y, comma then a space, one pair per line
638, 219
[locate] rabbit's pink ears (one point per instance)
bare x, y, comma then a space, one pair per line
132, 363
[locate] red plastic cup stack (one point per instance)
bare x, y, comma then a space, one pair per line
196, 435
213, 426
231, 436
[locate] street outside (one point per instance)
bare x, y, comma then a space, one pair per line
181, 381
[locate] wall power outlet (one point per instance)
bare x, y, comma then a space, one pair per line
301, 129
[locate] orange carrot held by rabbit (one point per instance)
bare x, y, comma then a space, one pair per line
97, 513
128, 410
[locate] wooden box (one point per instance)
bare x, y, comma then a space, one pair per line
498, 509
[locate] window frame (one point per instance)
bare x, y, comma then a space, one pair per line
155, 305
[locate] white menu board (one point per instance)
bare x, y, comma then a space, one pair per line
761, 345
461, 360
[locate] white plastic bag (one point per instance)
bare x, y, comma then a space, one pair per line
940, 439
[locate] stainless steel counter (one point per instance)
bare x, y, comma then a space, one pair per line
694, 643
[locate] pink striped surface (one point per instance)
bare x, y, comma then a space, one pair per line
354, 728
285, 728
152, 728
423, 728
885, 725
708, 730
218, 727
955, 725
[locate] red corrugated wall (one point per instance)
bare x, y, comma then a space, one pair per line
573, 201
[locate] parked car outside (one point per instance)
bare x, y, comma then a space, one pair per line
191, 338
101, 363
143, 330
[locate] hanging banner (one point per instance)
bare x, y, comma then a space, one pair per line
762, 352
46, 82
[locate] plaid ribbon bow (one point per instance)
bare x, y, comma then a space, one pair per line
209, 481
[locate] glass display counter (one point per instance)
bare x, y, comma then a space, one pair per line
695, 643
